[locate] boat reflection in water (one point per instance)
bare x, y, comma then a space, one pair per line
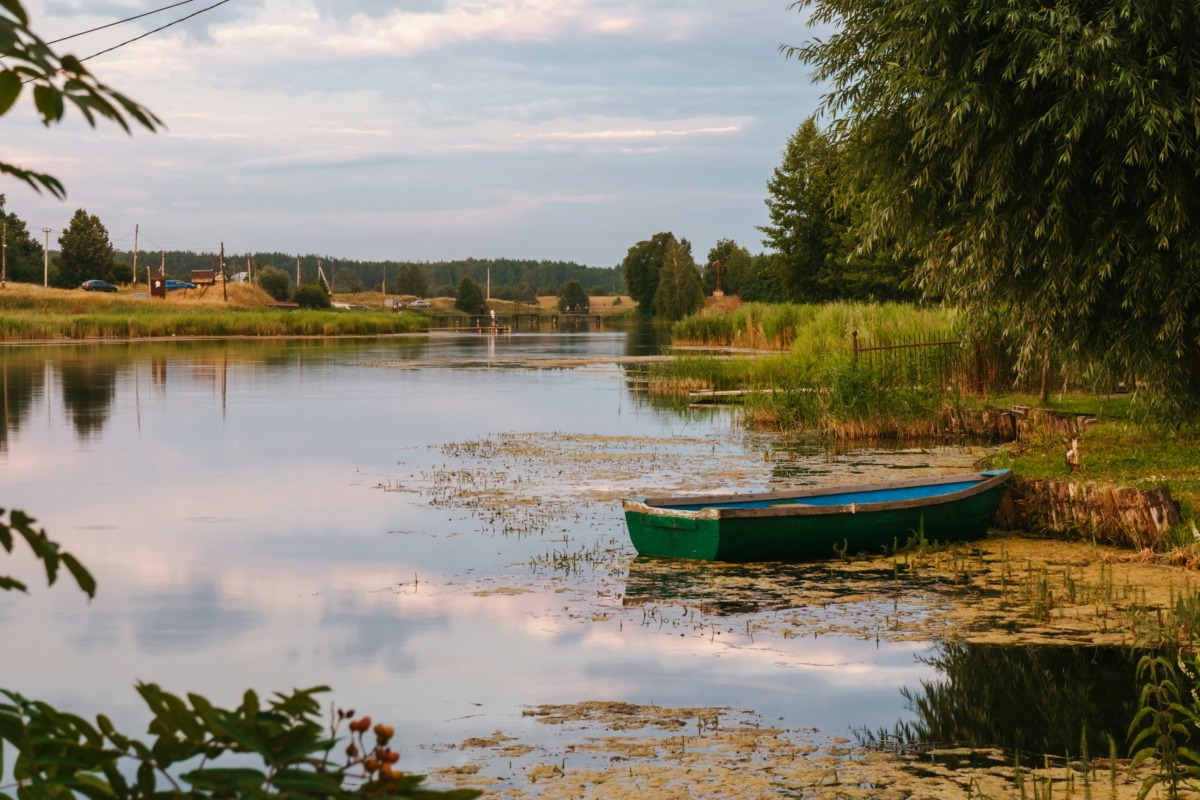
724, 589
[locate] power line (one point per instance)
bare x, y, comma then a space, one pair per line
156, 30
143, 36
121, 21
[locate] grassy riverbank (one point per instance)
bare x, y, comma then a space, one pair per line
33, 313
803, 373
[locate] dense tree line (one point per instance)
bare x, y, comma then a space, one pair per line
24, 254
1039, 162
510, 278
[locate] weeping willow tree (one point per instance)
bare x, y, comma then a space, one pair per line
1041, 159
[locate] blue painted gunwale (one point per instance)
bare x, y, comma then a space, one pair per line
816, 522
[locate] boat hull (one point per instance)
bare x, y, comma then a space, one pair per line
785, 527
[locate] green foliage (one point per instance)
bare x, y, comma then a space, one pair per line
25, 253
55, 82
60, 753
736, 265
1161, 729
410, 279
274, 282
680, 290
84, 252
762, 283
48, 552
314, 296
468, 296
641, 269
347, 279
572, 295
800, 206
1039, 158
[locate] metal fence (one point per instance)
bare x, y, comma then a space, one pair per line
930, 359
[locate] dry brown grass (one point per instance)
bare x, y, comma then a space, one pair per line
29, 295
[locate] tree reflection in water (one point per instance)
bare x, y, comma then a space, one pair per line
1032, 699
89, 386
21, 381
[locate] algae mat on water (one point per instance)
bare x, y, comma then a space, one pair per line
1003, 589
613, 751
563, 491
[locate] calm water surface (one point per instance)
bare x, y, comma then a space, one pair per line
255, 518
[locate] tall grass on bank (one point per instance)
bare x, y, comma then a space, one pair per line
812, 380
834, 396
816, 330
148, 322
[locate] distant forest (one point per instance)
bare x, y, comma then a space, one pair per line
510, 277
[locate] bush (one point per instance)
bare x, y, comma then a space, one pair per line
274, 282
313, 295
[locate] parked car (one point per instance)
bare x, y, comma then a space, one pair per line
98, 286
420, 304
173, 284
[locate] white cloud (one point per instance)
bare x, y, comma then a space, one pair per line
547, 122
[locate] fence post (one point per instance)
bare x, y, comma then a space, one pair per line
854, 343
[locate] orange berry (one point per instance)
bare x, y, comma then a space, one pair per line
370, 764
352, 750
390, 756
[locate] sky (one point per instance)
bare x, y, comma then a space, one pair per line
424, 130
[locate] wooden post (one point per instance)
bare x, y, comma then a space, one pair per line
854, 343
224, 277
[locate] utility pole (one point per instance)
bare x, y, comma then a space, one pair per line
297, 272
4, 255
46, 259
135, 246
489, 282
224, 277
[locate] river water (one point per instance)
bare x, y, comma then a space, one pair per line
284, 514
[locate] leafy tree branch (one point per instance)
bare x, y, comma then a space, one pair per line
56, 83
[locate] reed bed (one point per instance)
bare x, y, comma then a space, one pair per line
812, 331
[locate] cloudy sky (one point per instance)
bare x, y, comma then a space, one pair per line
425, 129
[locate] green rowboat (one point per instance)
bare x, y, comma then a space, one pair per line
808, 524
